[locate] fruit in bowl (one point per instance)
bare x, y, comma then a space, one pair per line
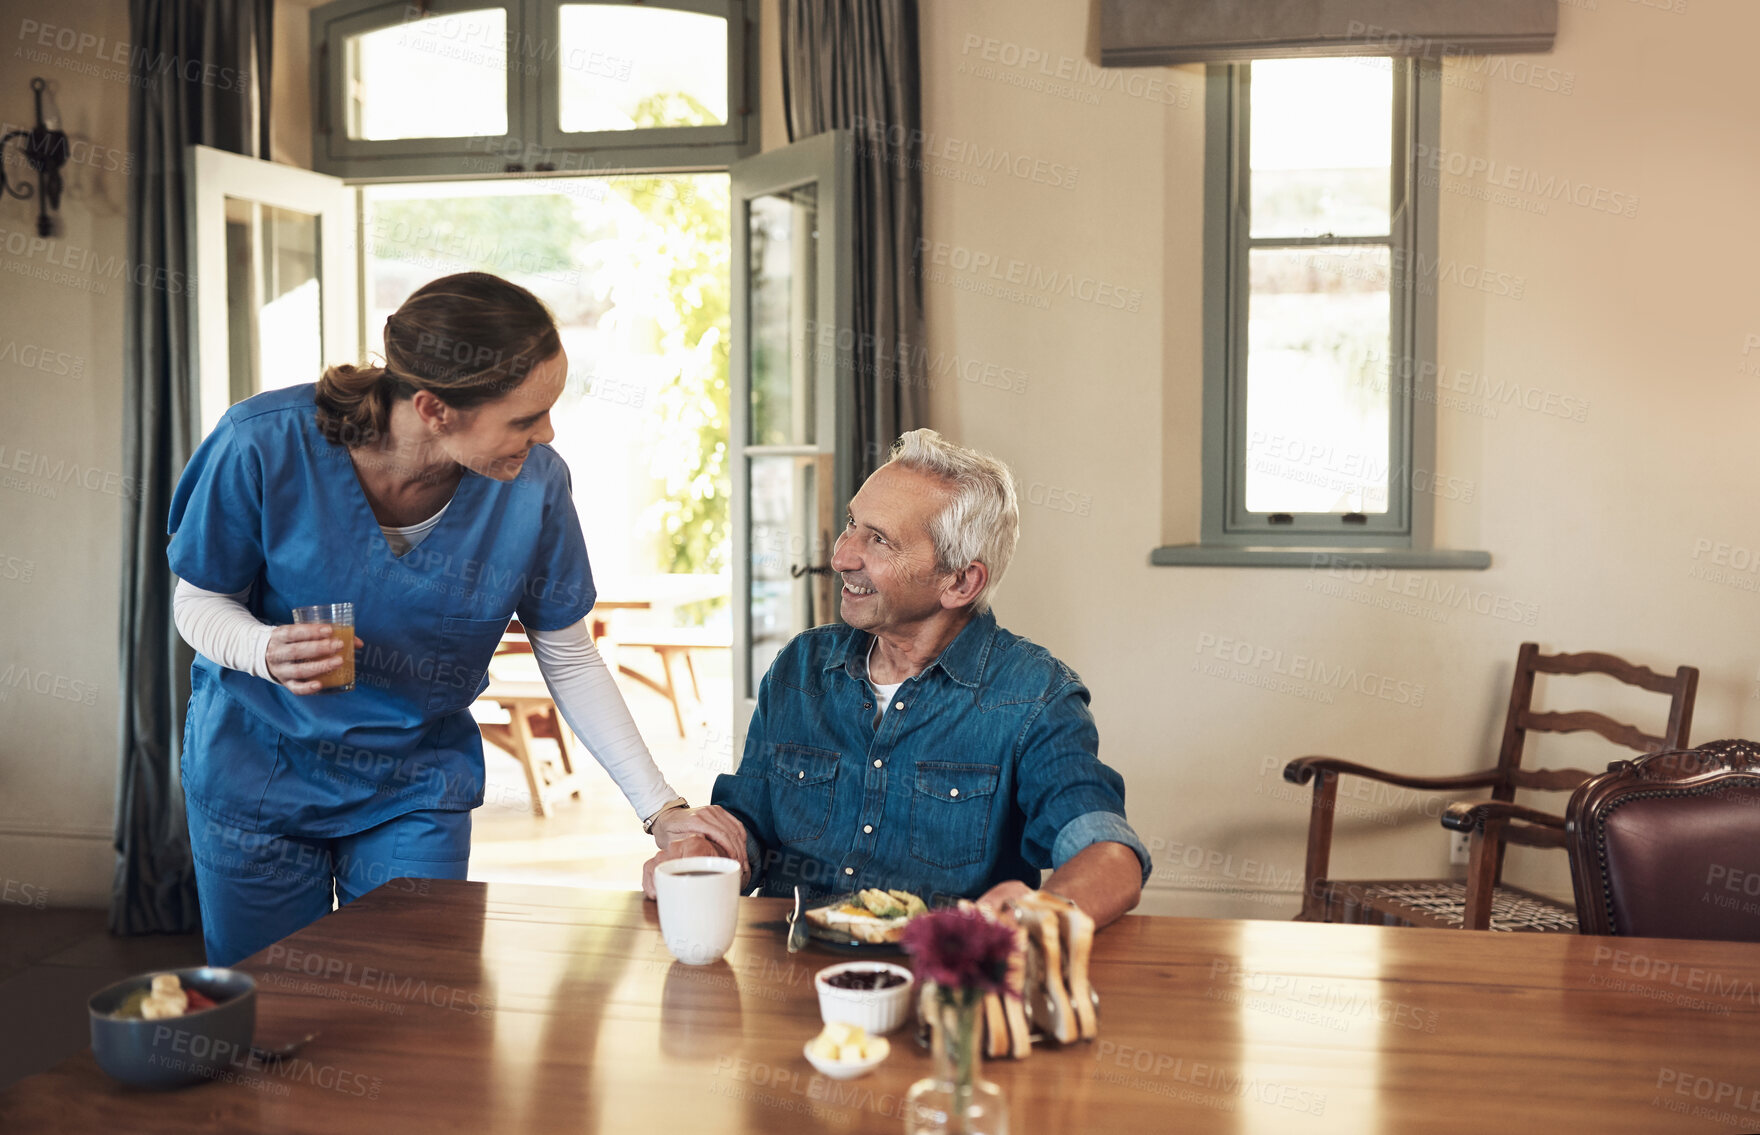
844, 1051
167, 1030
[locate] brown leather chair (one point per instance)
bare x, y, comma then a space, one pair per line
1483, 901
1668, 846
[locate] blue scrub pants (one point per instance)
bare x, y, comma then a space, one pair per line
257, 888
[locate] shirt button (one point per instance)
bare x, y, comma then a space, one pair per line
953, 792
867, 829
849, 870
876, 764
897, 705
802, 775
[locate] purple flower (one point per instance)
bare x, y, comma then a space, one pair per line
960, 949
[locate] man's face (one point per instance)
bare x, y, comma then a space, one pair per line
884, 554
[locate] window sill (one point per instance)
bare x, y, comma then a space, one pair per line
1249, 555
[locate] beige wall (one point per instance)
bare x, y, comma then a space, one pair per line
1592, 525
60, 469
61, 475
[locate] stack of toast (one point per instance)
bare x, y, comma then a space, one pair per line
1048, 989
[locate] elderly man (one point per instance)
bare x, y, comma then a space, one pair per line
920, 746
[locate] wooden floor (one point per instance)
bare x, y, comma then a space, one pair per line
51, 960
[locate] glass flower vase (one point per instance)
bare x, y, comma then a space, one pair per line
955, 1100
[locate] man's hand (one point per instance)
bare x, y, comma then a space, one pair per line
682, 849
1104, 879
717, 825
997, 897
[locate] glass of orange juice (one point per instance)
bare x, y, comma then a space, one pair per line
340, 616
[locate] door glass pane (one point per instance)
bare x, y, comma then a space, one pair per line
443, 76
626, 68
1318, 405
784, 283
784, 513
274, 333
636, 272
1322, 140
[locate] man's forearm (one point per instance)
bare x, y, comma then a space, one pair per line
1105, 879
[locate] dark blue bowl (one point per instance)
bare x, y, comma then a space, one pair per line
177, 1051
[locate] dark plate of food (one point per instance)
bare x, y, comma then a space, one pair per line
864, 922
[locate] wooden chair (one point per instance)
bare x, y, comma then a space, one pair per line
1482, 901
1668, 846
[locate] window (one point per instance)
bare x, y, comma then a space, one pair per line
1319, 318
484, 87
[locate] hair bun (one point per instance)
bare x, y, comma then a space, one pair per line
354, 404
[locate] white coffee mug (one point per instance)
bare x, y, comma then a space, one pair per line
699, 906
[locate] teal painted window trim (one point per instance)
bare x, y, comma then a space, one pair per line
1229, 535
534, 141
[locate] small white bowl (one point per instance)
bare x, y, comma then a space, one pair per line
847, 1070
879, 1011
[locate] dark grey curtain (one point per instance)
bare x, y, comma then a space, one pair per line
852, 65
200, 75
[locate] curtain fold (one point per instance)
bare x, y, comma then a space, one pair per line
199, 74
853, 65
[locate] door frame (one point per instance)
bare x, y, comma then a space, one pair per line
212, 176
827, 159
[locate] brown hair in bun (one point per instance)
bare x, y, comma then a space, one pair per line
467, 339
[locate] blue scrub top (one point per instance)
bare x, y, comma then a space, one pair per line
267, 503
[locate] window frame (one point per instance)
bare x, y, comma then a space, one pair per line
1229, 535
534, 141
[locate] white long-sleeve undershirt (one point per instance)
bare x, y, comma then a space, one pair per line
223, 628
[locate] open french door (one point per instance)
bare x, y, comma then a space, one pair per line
276, 276
791, 407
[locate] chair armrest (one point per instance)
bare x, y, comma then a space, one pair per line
1470, 815
1302, 769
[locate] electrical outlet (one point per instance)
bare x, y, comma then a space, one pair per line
1460, 848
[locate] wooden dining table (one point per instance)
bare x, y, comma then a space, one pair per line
446, 1007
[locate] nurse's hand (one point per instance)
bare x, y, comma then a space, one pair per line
717, 825
300, 653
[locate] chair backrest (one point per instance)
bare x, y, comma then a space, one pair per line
1523, 719
1668, 846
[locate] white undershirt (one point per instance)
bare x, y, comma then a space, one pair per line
882, 694
403, 539
223, 628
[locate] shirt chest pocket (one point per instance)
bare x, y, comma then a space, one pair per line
803, 781
950, 813
462, 661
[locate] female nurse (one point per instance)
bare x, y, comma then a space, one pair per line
425, 493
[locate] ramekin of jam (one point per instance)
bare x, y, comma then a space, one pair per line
874, 995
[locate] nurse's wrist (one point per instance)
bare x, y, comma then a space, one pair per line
671, 805
260, 655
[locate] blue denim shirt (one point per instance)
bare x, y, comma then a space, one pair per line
984, 768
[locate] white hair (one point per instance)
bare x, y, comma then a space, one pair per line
981, 522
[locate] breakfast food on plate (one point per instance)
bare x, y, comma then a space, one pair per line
872, 916
848, 1044
165, 997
